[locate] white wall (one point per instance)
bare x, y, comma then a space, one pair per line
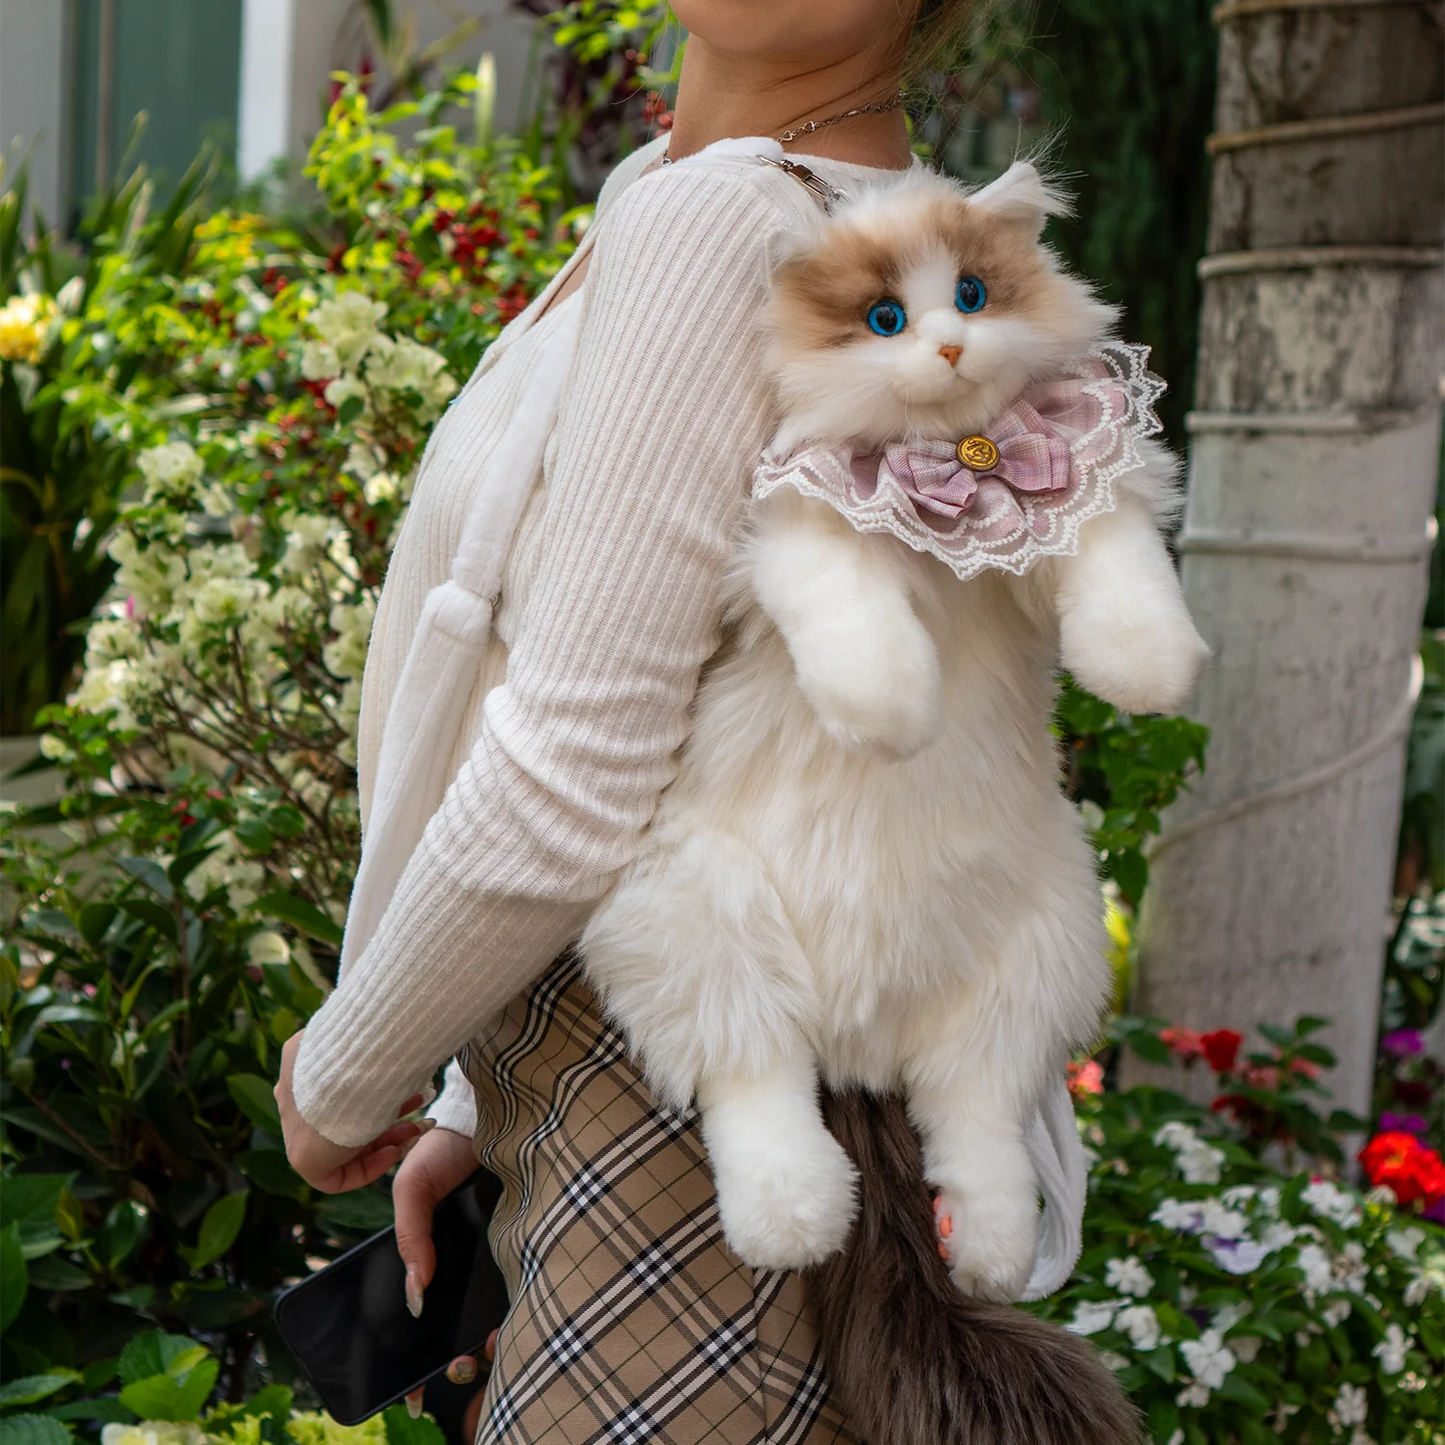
32, 94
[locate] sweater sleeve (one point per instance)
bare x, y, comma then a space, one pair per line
664, 413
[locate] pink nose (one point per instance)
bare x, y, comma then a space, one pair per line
950, 354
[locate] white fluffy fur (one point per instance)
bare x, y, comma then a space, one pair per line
865, 867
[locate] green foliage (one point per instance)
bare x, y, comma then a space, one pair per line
1124, 771
1240, 1303
74, 368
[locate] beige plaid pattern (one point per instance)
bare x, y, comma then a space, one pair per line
631, 1321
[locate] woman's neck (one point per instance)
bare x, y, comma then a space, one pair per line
720, 95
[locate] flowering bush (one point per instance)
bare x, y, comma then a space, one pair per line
1238, 1303
267, 417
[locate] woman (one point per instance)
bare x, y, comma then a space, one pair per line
630, 1319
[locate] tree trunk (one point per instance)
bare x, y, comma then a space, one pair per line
1312, 474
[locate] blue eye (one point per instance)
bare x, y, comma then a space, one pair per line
887, 318
969, 296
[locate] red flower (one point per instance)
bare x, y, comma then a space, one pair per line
1221, 1048
1402, 1163
1085, 1077
1262, 1076
1182, 1043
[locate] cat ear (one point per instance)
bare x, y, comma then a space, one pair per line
1022, 198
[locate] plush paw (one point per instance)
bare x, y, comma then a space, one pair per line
785, 1201
1143, 657
987, 1239
875, 685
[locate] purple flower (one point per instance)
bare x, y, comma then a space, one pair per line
1415, 1124
1403, 1043
1436, 1212
1238, 1256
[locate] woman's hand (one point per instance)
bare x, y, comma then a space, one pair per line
335, 1168
432, 1169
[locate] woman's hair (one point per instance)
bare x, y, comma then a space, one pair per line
939, 32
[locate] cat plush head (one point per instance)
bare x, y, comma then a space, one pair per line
920, 310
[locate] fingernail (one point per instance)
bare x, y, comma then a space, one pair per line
464, 1371
425, 1127
413, 1406
413, 1298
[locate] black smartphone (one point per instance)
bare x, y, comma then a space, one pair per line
350, 1330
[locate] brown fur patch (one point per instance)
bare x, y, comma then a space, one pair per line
821, 297
913, 1360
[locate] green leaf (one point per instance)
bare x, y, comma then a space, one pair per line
30, 1388
149, 872
219, 1228
150, 1354
299, 914
32, 1430
124, 1228
103, 1411
364, 1211
267, 1169
256, 1099
349, 410
14, 1278
144, 910
1161, 1363
1237, 1388
57, 1275
401, 1429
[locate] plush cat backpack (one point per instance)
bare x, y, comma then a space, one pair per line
866, 930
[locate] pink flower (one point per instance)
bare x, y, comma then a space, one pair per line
1085, 1077
1182, 1043
1403, 1043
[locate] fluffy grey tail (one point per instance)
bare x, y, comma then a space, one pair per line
914, 1361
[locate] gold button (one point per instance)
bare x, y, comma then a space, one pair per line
978, 454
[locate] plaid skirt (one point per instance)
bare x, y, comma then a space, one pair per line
631, 1320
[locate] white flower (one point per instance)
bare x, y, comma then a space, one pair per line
1195, 1396
1316, 1266
361, 461
1269, 1199
1352, 1406
1209, 1358
1403, 1243
1276, 1235
1128, 1276
319, 361
1246, 1348
153, 1432
1177, 1438
1238, 1256
216, 501
349, 324
1336, 1312
171, 472
381, 487
1391, 1351
1091, 1316
1225, 1223
1177, 1214
1327, 1201
268, 947
1198, 1162
406, 365
1141, 1324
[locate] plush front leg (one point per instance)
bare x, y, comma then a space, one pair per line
786, 1191
863, 659
1124, 631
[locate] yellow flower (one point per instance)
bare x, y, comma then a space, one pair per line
23, 320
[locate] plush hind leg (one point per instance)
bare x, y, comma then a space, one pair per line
786, 1190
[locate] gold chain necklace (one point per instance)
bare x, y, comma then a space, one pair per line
807, 127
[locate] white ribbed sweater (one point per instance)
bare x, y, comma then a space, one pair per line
609, 610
